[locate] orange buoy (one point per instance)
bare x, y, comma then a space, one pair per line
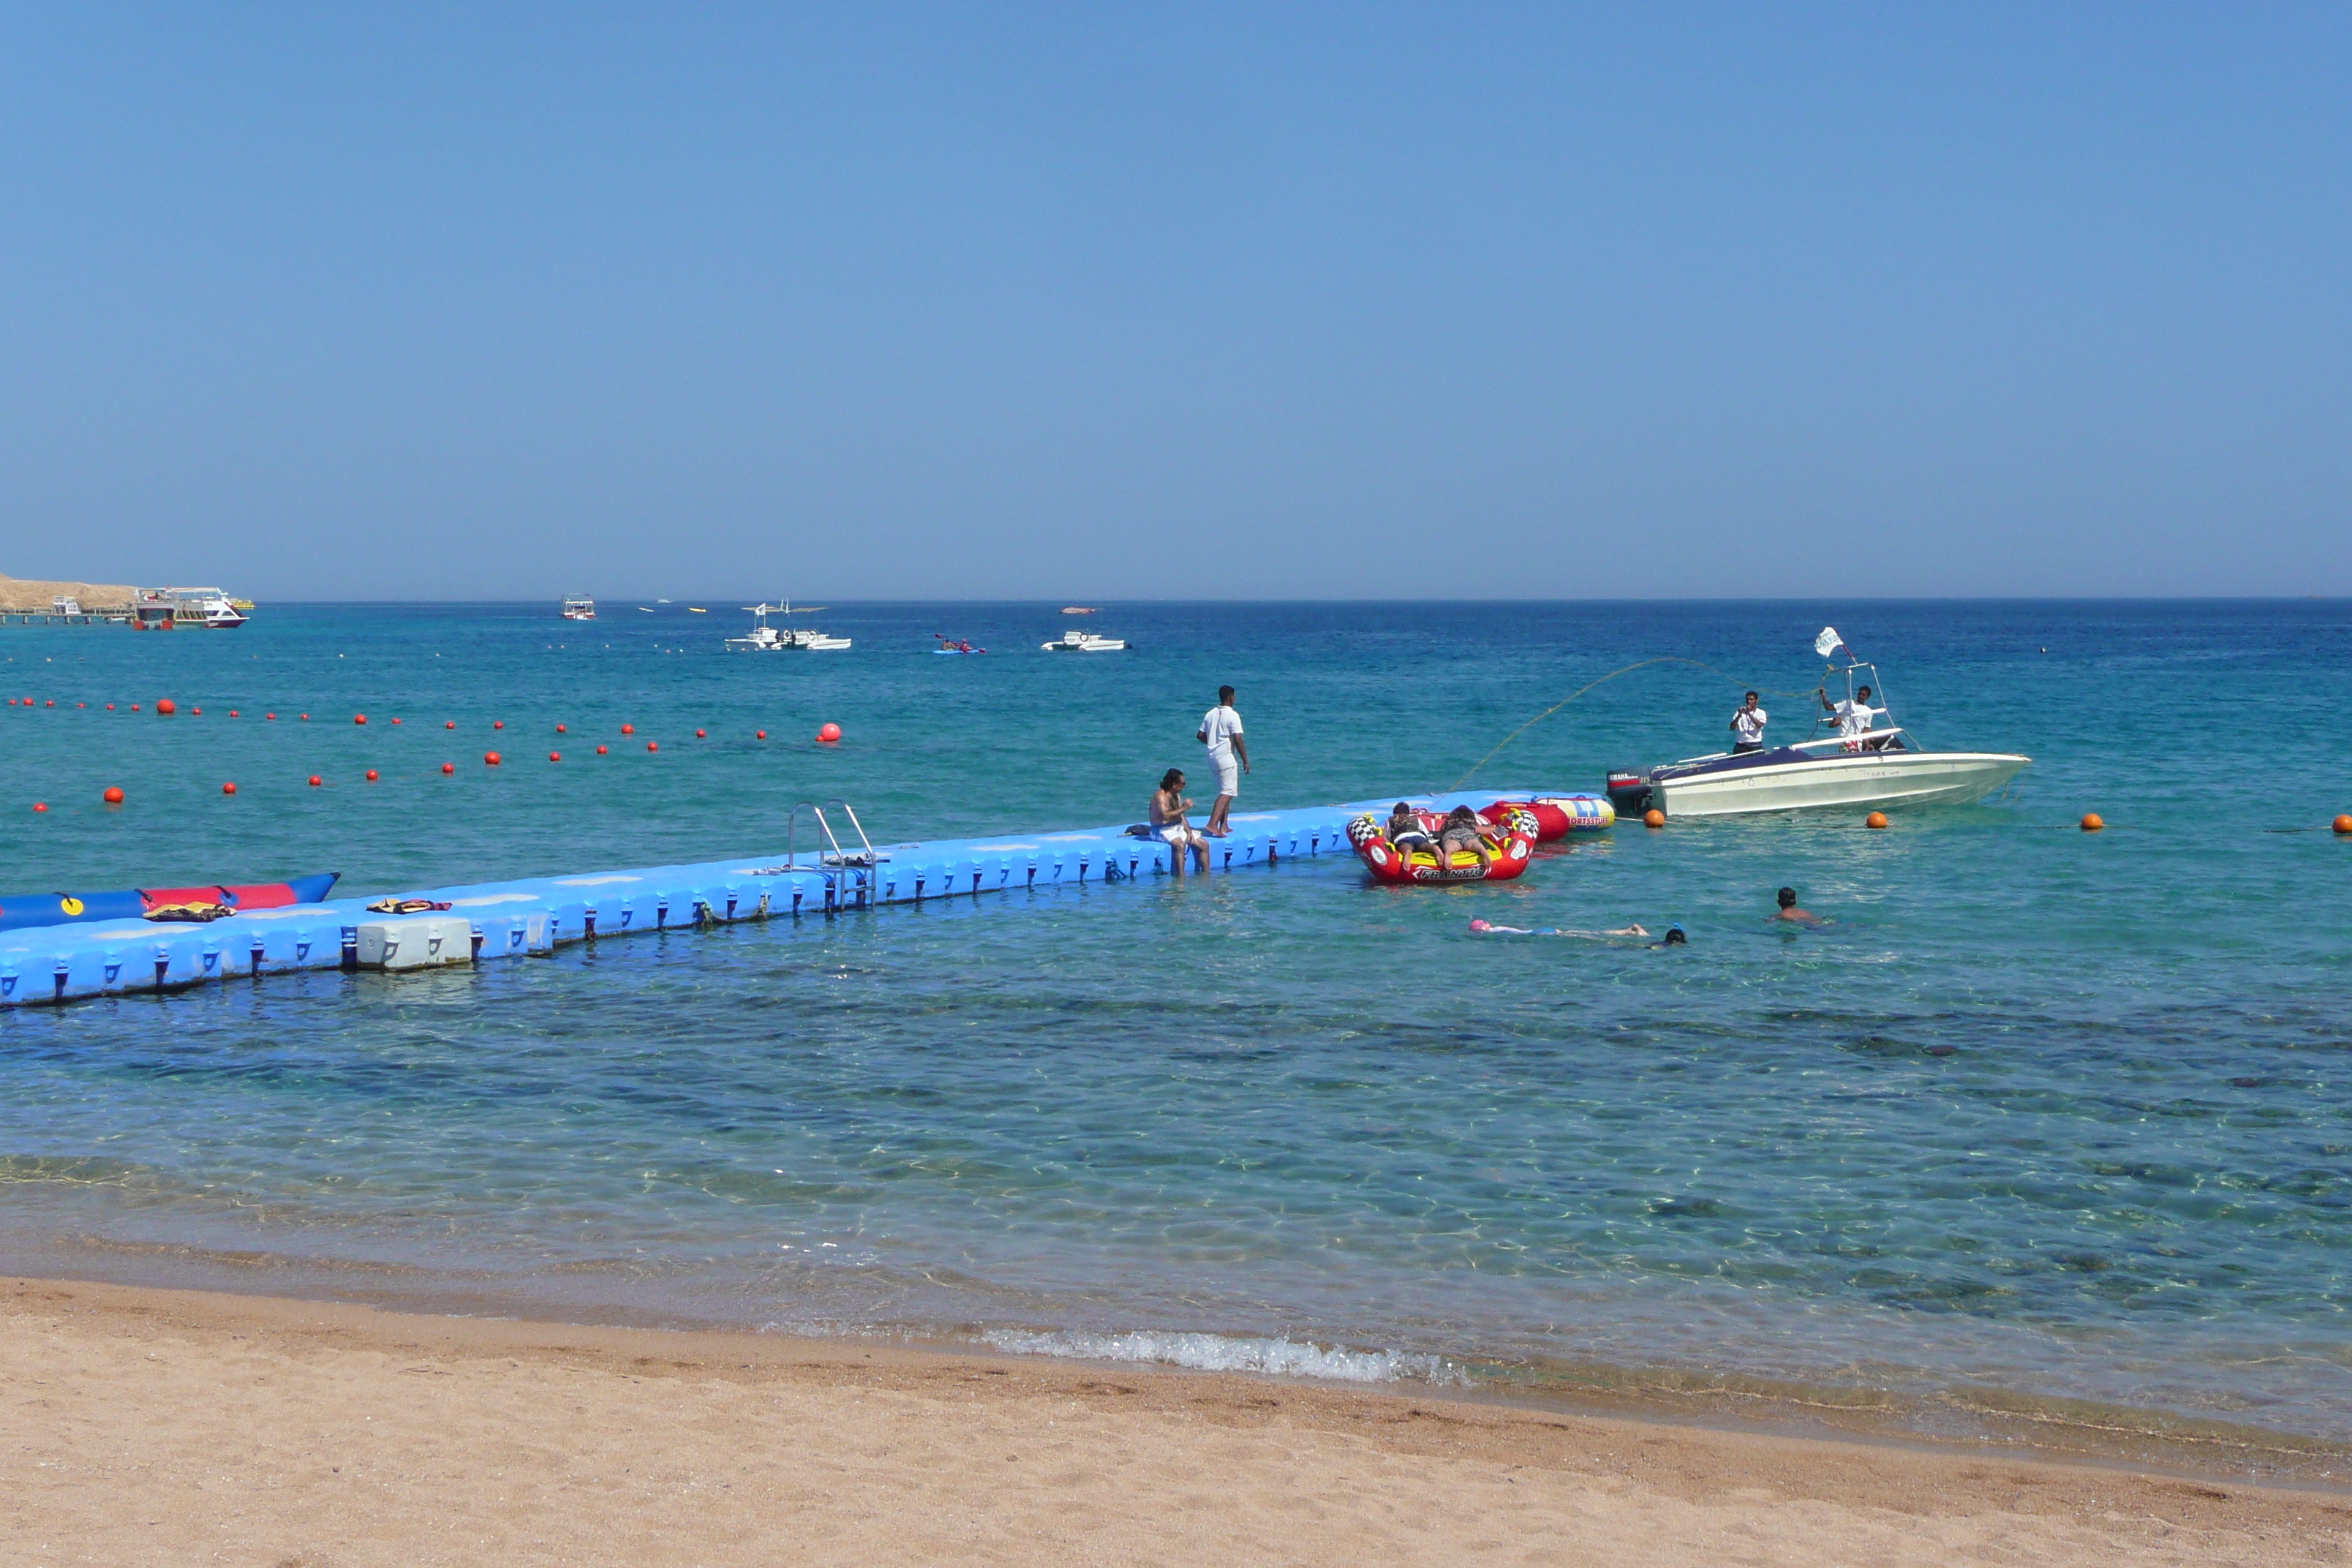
109, 708
40, 805
196, 712
264, 715
602, 750
371, 775
555, 756
628, 729
134, 708
232, 712
2343, 822
449, 767
830, 733
498, 723
114, 795
450, 725
763, 734
697, 734
229, 788
1875, 819
1653, 817
316, 781
395, 720
653, 745
306, 715
165, 707
356, 718
2093, 822
492, 758
558, 729
53, 701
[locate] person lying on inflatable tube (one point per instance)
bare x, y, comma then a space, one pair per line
1425, 848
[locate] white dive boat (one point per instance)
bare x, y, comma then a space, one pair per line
1865, 763
579, 607
1084, 642
161, 609
766, 638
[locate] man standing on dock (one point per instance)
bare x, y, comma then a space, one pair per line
1221, 731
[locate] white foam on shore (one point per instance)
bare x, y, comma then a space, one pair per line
1280, 1356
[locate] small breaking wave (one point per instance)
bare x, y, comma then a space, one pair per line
1280, 1356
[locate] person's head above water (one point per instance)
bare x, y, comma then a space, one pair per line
1674, 937
1173, 780
1788, 898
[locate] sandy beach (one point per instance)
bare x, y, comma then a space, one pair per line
166, 1426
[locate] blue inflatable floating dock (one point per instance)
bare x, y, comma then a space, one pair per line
508, 920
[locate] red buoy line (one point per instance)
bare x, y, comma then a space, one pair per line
829, 733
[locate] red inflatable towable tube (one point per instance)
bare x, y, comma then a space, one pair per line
1511, 848
1558, 816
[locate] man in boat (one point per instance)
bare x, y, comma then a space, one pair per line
1747, 727
1221, 731
1854, 719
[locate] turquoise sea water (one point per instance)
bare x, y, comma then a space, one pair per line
2046, 1113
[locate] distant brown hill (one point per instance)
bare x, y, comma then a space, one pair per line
18, 595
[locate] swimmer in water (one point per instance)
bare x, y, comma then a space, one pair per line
1793, 914
1674, 937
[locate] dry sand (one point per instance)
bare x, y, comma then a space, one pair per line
159, 1426
23, 593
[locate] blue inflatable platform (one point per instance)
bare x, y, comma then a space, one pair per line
508, 920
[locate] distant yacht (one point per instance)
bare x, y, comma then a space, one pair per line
1079, 610
1076, 641
766, 638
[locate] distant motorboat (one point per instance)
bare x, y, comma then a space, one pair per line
1075, 641
766, 638
163, 609
1079, 610
579, 607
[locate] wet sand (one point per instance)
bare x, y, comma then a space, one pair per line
165, 1427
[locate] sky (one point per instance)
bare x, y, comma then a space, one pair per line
1101, 302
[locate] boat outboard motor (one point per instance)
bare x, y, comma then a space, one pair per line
1629, 792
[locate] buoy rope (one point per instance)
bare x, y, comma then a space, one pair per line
1663, 658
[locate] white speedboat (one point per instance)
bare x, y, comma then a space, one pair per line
1867, 764
1084, 642
766, 638
579, 607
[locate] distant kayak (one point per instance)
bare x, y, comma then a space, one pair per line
19, 911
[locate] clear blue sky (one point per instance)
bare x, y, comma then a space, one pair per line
340, 302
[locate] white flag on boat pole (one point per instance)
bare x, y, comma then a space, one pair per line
1827, 643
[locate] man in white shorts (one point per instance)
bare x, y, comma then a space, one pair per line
1221, 731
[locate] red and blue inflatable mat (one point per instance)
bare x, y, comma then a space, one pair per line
19, 910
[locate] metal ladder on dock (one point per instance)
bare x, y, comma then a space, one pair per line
845, 871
